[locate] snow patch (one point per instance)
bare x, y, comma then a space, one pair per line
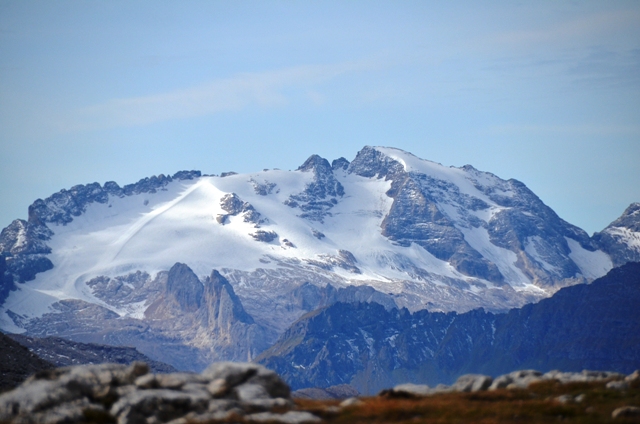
478, 238
592, 264
531, 246
625, 235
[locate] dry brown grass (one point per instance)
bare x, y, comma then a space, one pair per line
535, 405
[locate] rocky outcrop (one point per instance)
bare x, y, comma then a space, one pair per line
344, 259
23, 254
263, 189
320, 195
370, 162
234, 206
195, 322
592, 326
129, 395
208, 315
266, 236
340, 164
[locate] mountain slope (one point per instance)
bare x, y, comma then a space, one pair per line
594, 326
61, 353
17, 363
422, 234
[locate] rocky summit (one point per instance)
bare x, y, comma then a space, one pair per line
215, 267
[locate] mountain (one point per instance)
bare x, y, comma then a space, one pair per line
588, 326
190, 268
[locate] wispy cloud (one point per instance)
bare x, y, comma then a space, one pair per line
580, 130
581, 30
266, 89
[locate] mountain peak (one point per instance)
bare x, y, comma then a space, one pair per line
315, 163
371, 162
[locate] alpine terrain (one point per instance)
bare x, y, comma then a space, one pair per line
587, 326
212, 267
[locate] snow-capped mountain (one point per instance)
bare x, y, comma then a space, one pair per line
421, 234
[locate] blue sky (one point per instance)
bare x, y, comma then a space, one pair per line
545, 92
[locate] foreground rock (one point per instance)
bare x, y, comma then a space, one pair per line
515, 380
130, 395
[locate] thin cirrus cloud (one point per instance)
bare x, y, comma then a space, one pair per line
578, 130
265, 89
585, 30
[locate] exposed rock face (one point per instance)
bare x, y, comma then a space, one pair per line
62, 352
592, 326
6, 279
321, 194
110, 392
234, 206
439, 216
340, 164
263, 189
265, 236
183, 294
195, 322
17, 363
344, 259
209, 314
23, 251
621, 238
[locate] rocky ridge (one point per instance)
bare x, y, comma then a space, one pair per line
593, 326
23, 246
